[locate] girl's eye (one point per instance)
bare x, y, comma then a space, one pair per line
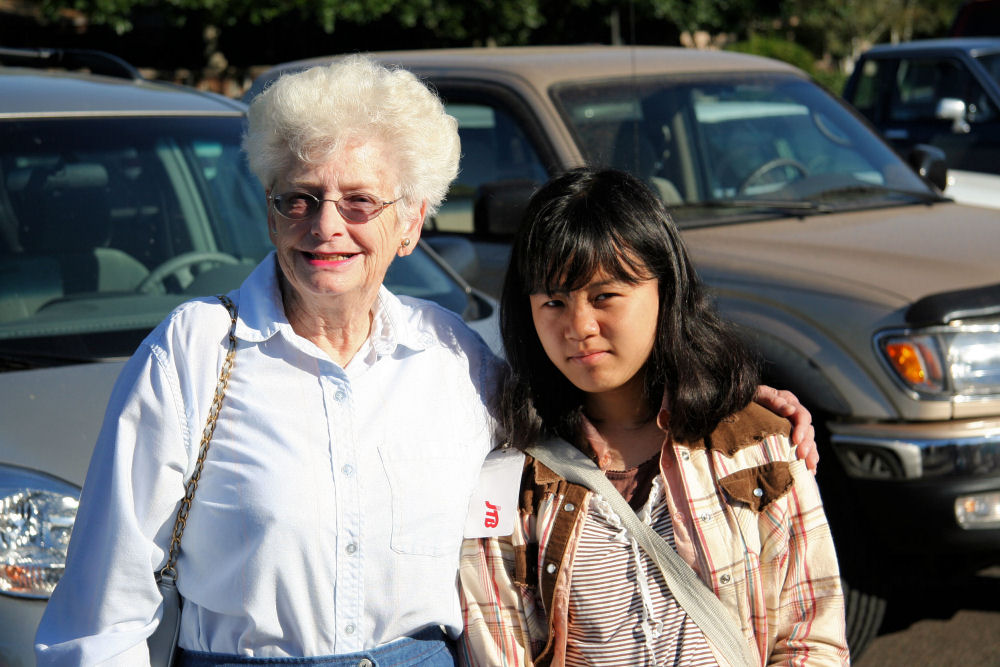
604, 296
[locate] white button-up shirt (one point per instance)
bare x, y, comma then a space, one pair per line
329, 515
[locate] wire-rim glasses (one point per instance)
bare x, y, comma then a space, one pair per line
353, 206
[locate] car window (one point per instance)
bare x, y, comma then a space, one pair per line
867, 90
96, 208
494, 149
106, 224
922, 82
991, 63
722, 139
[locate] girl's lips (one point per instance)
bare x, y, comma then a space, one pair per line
587, 358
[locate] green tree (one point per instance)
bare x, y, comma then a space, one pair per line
845, 28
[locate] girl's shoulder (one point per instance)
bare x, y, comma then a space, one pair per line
751, 426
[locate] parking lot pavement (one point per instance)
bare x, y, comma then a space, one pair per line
943, 623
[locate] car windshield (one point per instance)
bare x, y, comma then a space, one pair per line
106, 224
724, 148
991, 63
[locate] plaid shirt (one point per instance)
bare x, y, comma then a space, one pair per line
747, 516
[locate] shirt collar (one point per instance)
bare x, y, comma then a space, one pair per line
394, 325
262, 314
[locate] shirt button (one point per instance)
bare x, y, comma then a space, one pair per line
365, 662
724, 578
349, 629
351, 548
758, 492
705, 516
348, 469
569, 507
550, 568
685, 454
340, 395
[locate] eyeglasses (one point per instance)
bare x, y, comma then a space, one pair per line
354, 206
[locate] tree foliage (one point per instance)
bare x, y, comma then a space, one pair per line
845, 28
835, 29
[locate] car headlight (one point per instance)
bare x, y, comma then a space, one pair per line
36, 516
945, 362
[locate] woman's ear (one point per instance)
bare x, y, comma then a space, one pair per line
412, 227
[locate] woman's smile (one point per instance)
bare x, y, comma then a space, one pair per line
328, 259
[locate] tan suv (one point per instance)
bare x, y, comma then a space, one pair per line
870, 295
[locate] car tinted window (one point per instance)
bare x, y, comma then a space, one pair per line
867, 91
991, 63
718, 139
494, 149
107, 224
922, 82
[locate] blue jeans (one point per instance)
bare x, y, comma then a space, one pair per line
428, 648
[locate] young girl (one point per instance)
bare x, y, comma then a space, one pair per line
614, 346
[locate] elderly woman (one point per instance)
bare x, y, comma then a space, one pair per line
320, 525
329, 511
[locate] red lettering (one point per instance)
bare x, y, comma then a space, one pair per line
492, 515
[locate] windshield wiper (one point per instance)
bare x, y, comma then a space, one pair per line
928, 196
788, 206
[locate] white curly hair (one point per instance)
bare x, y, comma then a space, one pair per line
309, 115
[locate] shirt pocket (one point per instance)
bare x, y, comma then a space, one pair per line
428, 505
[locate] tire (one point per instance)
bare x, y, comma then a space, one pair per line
863, 576
865, 610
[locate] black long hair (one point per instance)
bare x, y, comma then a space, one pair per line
588, 220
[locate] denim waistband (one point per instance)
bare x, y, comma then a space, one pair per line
428, 648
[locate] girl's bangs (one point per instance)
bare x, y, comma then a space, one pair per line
570, 255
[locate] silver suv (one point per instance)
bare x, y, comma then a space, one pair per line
869, 294
119, 199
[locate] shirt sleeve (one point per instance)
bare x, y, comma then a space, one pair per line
810, 622
107, 602
493, 609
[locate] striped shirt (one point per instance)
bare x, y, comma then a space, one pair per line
621, 611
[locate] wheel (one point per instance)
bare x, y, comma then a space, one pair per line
864, 576
864, 609
769, 166
176, 266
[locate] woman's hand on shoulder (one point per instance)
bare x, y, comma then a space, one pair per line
785, 403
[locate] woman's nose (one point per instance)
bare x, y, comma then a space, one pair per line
327, 221
581, 322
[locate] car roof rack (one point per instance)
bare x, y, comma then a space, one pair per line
97, 62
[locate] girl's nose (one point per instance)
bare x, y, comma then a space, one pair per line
582, 323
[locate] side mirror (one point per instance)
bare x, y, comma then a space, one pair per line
953, 109
500, 206
458, 252
929, 162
